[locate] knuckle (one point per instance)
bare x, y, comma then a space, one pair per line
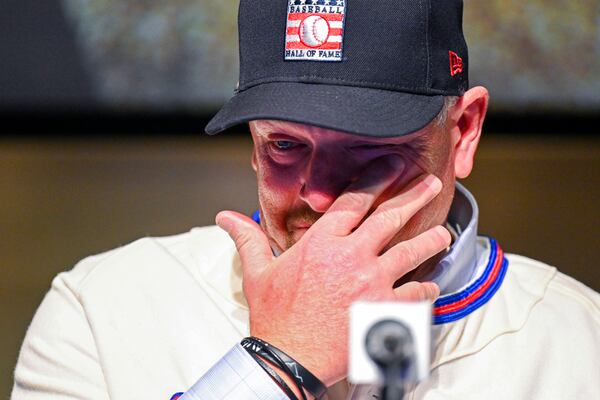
355, 200
391, 217
421, 293
410, 256
362, 282
412, 291
244, 240
343, 256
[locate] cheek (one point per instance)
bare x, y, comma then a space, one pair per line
275, 184
278, 190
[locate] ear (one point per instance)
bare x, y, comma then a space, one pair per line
467, 116
254, 161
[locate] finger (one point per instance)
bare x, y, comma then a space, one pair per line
251, 242
390, 216
418, 291
350, 207
408, 255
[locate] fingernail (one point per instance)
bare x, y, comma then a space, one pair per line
222, 222
442, 231
434, 183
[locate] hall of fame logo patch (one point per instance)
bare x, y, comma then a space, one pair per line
315, 30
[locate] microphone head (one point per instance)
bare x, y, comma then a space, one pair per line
389, 342
389, 336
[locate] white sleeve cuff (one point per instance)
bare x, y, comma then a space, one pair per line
235, 377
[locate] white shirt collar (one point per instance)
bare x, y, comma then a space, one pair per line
460, 263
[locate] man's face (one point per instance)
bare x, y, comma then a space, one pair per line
302, 169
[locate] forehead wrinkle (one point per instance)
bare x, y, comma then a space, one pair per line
255, 129
265, 127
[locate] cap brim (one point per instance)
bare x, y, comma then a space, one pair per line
356, 110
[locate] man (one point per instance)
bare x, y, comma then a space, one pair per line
362, 120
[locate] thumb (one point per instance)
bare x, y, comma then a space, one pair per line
251, 242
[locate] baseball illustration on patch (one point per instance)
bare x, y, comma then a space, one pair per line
315, 30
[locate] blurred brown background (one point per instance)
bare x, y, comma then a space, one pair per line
66, 198
101, 97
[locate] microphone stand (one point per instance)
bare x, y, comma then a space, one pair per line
390, 345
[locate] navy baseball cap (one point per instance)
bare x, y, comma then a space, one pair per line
368, 67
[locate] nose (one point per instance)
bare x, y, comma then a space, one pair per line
318, 201
324, 179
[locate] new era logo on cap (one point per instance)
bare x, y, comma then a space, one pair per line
456, 63
315, 30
